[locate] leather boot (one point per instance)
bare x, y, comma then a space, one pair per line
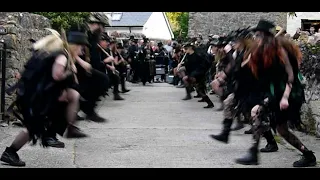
308, 159
250, 131
201, 100
251, 158
188, 96
75, 132
197, 96
271, 143
11, 157
117, 97
270, 148
96, 118
224, 135
238, 126
208, 101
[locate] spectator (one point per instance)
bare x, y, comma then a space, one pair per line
312, 31
297, 34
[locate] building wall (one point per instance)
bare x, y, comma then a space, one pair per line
295, 22
157, 28
224, 22
124, 29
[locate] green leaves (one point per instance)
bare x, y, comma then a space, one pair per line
179, 23
64, 19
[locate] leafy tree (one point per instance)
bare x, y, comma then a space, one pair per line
179, 23
64, 19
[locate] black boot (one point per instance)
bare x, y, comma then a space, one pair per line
250, 131
125, 90
12, 158
270, 148
271, 143
251, 158
308, 159
117, 97
79, 118
74, 132
54, 142
224, 135
201, 100
197, 96
188, 96
96, 118
208, 101
238, 126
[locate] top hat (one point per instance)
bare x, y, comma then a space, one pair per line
100, 18
78, 38
264, 26
242, 34
220, 42
105, 37
120, 46
188, 44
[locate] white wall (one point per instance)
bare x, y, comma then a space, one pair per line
295, 22
156, 27
124, 29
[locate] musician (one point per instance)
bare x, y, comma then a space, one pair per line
196, 68
112, 72
133, 59
162, 52
144, 56
95, 83
122, 67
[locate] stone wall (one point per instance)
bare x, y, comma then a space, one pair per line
21, 27
224, 22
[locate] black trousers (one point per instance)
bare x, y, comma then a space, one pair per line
136, 70
144, 71
91, 88
115, 81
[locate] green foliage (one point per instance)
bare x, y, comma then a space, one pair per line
179, 23
292, 14
64, 19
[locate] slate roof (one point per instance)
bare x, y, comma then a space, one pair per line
132, 19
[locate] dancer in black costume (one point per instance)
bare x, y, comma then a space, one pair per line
269, 63
47, 94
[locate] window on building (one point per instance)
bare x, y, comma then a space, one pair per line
306, 24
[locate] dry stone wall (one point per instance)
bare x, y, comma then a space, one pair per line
20, 27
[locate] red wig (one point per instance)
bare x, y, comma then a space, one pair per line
264, 52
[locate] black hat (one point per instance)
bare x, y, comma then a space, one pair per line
113, 40
78, 38
160, 44
188, 44
264, 26
243, 34
220, 42
145, 40
105, 37
120, 46
98, 17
